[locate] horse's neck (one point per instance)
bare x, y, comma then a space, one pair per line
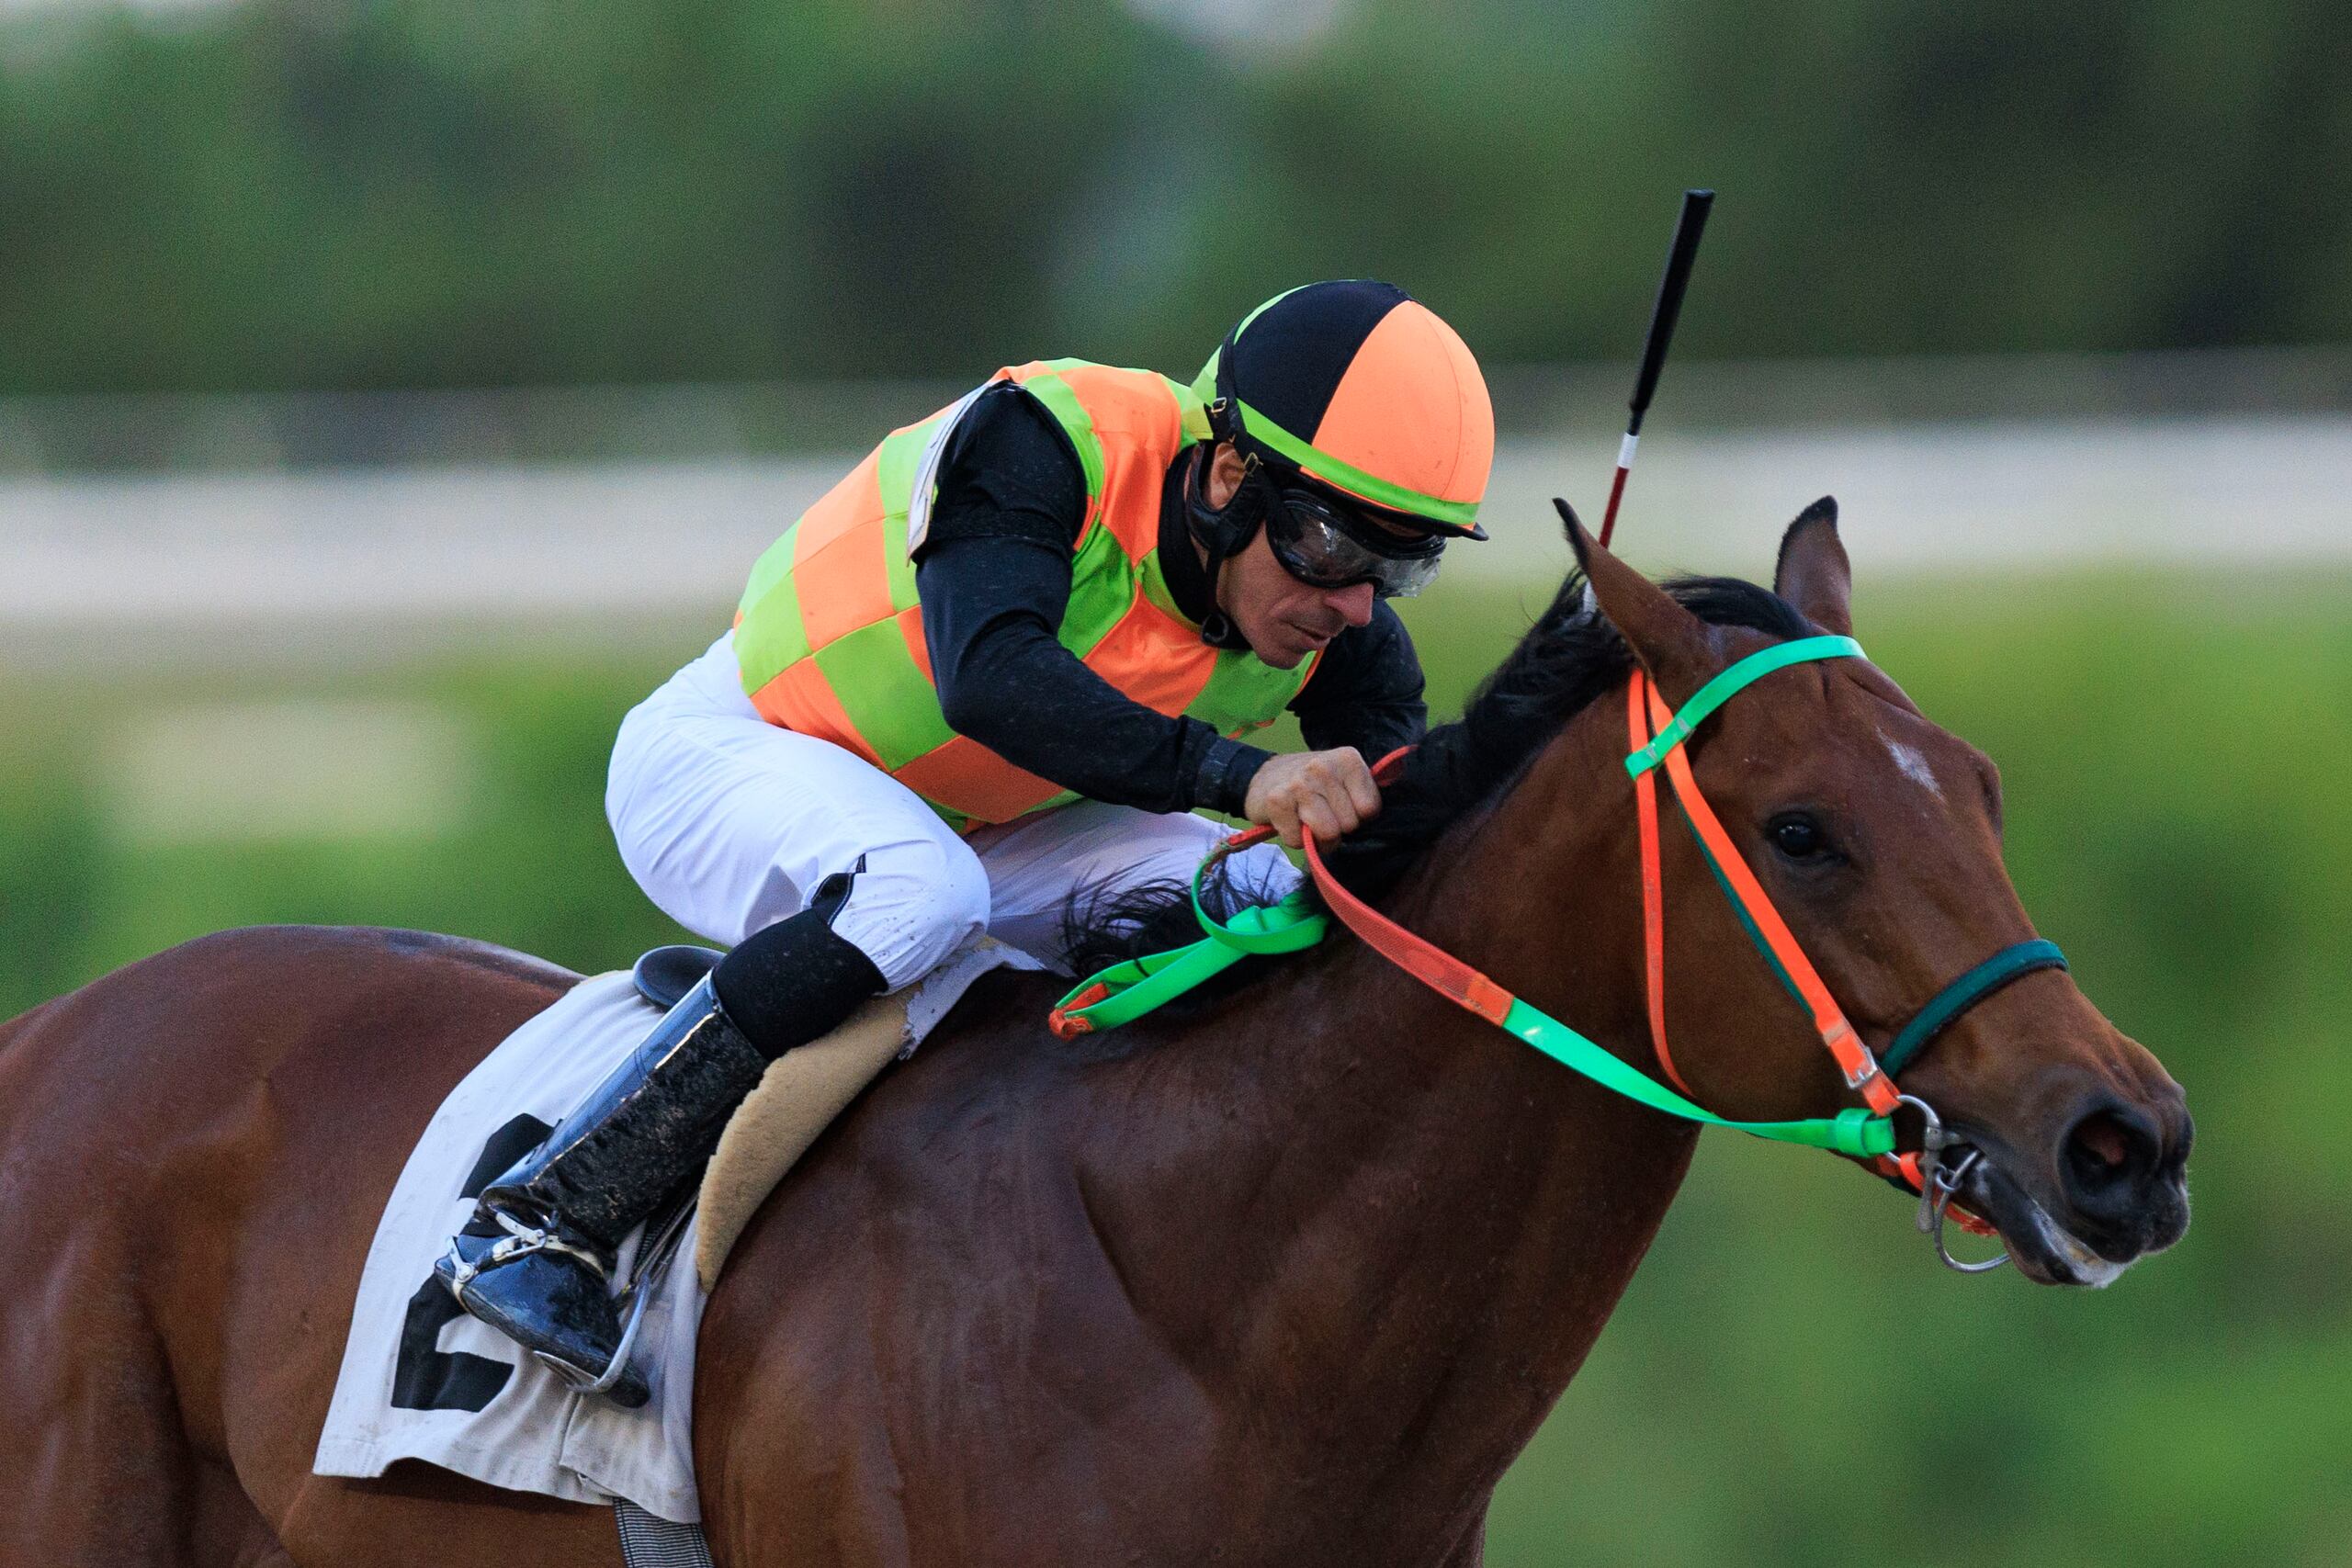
1411, 1223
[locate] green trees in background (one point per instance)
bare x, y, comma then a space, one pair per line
328, 194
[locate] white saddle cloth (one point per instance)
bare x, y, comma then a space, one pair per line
423, 1380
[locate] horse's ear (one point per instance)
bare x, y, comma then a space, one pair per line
1813, 573
1675, 646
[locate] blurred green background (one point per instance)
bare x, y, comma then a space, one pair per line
809, 208
324, 193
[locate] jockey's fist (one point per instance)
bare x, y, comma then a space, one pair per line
1323, 793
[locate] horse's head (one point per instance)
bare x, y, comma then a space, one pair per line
1877, 836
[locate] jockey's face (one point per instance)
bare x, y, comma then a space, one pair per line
1284, 619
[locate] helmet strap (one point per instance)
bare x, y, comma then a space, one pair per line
1223, 532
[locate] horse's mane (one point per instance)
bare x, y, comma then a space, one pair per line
1568, 658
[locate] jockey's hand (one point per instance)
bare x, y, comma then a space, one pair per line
1323, 793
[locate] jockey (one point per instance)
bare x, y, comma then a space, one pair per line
999, 665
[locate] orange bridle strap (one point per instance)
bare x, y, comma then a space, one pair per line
1433, 966
1853, 1057
1638, 735
1646, 716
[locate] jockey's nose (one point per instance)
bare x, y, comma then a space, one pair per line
1353, 602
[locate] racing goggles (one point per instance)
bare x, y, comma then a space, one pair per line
1327, 545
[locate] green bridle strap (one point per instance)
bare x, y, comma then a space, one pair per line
1128, 990
1720, 690
1747, 920
2011, 963
1139, 985
1856, 1130
1135, 987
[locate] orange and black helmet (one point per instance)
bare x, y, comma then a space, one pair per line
1359, 387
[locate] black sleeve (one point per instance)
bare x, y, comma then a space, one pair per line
990, 610
994, 573
1008, 472
1367, 691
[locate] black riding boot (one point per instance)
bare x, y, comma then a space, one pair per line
536, 1260
556, 1219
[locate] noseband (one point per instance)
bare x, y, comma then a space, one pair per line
1864, 1133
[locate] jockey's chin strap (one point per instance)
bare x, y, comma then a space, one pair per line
1866, 1132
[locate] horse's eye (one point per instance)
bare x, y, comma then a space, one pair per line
1798, 836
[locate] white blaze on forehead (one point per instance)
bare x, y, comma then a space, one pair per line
1913, 763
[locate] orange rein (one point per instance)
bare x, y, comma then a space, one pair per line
1646, 715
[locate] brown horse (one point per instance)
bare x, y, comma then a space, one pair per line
1286, 1276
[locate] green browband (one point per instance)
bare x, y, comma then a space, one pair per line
1719, 691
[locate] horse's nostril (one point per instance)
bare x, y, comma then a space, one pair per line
2108, 1155
2101, 1138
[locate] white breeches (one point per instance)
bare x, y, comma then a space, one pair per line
730, 823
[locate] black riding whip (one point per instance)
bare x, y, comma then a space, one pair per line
1686, 229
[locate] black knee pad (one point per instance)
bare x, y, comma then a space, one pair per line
795, 981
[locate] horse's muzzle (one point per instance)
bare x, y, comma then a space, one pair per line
2114, 1189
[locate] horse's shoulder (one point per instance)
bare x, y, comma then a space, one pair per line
1006, 1006
989, 1086
938, 1188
